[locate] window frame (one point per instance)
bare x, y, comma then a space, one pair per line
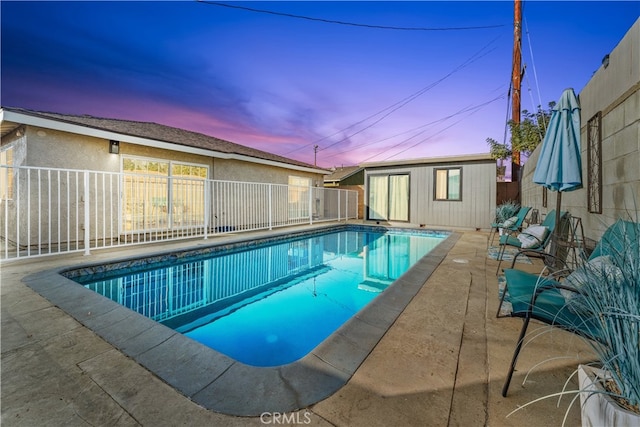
594, 164
165, 204
435, 184
298, 195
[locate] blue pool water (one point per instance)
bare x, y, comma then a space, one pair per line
269, 305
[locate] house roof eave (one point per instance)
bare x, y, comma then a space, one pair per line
465, 158
66, 126
339, 178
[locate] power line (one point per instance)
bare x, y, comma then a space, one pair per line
415, 135
353, 24
369, 144
535, 75
471, 110
398, 105
388, 110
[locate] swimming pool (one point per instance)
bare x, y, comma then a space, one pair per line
206, 376
268, 305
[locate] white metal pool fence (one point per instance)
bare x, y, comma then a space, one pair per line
48, 211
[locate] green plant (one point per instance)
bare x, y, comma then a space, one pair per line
499, 151
525, 135
506, 210
611, 296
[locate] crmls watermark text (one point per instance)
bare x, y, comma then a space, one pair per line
281, 418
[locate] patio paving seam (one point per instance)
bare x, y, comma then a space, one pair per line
80, 392
458, 361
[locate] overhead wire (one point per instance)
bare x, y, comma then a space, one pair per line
506, 120
393, 108
369, 144
353, 24
431, 123
430, 136
399, 104
535, 73
471, 110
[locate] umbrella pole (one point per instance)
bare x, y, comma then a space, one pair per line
556, 229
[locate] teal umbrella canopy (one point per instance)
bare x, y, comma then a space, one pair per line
559, 166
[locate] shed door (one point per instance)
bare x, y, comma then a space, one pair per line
389, 197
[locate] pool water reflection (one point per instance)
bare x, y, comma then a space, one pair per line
270, 305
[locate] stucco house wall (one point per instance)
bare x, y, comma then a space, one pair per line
235, 170
57, 149
51, 195
478, 197
614, 93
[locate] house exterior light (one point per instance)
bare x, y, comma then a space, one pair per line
114, 147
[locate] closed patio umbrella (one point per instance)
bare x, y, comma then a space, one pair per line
559, 166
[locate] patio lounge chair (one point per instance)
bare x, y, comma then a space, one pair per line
537, 297
509, 228
540, 244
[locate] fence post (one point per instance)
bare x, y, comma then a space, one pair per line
346, 205
270, 207
339, 197
207, 208
87, 216
310, 203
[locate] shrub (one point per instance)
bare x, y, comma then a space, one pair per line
506, 210
611, 296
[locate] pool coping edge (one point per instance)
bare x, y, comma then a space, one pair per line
220, 383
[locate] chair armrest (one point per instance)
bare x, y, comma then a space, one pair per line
551, 285
547, 257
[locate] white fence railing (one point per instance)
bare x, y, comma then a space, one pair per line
53, 211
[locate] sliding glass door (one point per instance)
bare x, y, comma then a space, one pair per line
378, 197
161, 194
399, 197
389, 197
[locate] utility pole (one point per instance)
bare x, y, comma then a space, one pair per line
315, 155
516, 82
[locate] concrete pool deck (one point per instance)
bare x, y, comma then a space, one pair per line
442, 362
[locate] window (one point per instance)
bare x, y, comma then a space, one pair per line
6, 173
299, 197
448, 184
389, 197
594, 163
162, 194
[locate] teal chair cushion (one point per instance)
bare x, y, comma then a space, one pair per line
551, 306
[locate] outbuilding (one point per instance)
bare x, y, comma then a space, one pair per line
437, 192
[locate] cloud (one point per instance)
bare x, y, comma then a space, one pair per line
279, 84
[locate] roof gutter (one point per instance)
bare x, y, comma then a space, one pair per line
48, 123
464, 158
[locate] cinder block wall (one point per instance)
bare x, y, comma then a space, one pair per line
613, 92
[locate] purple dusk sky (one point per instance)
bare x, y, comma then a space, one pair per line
284, 84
